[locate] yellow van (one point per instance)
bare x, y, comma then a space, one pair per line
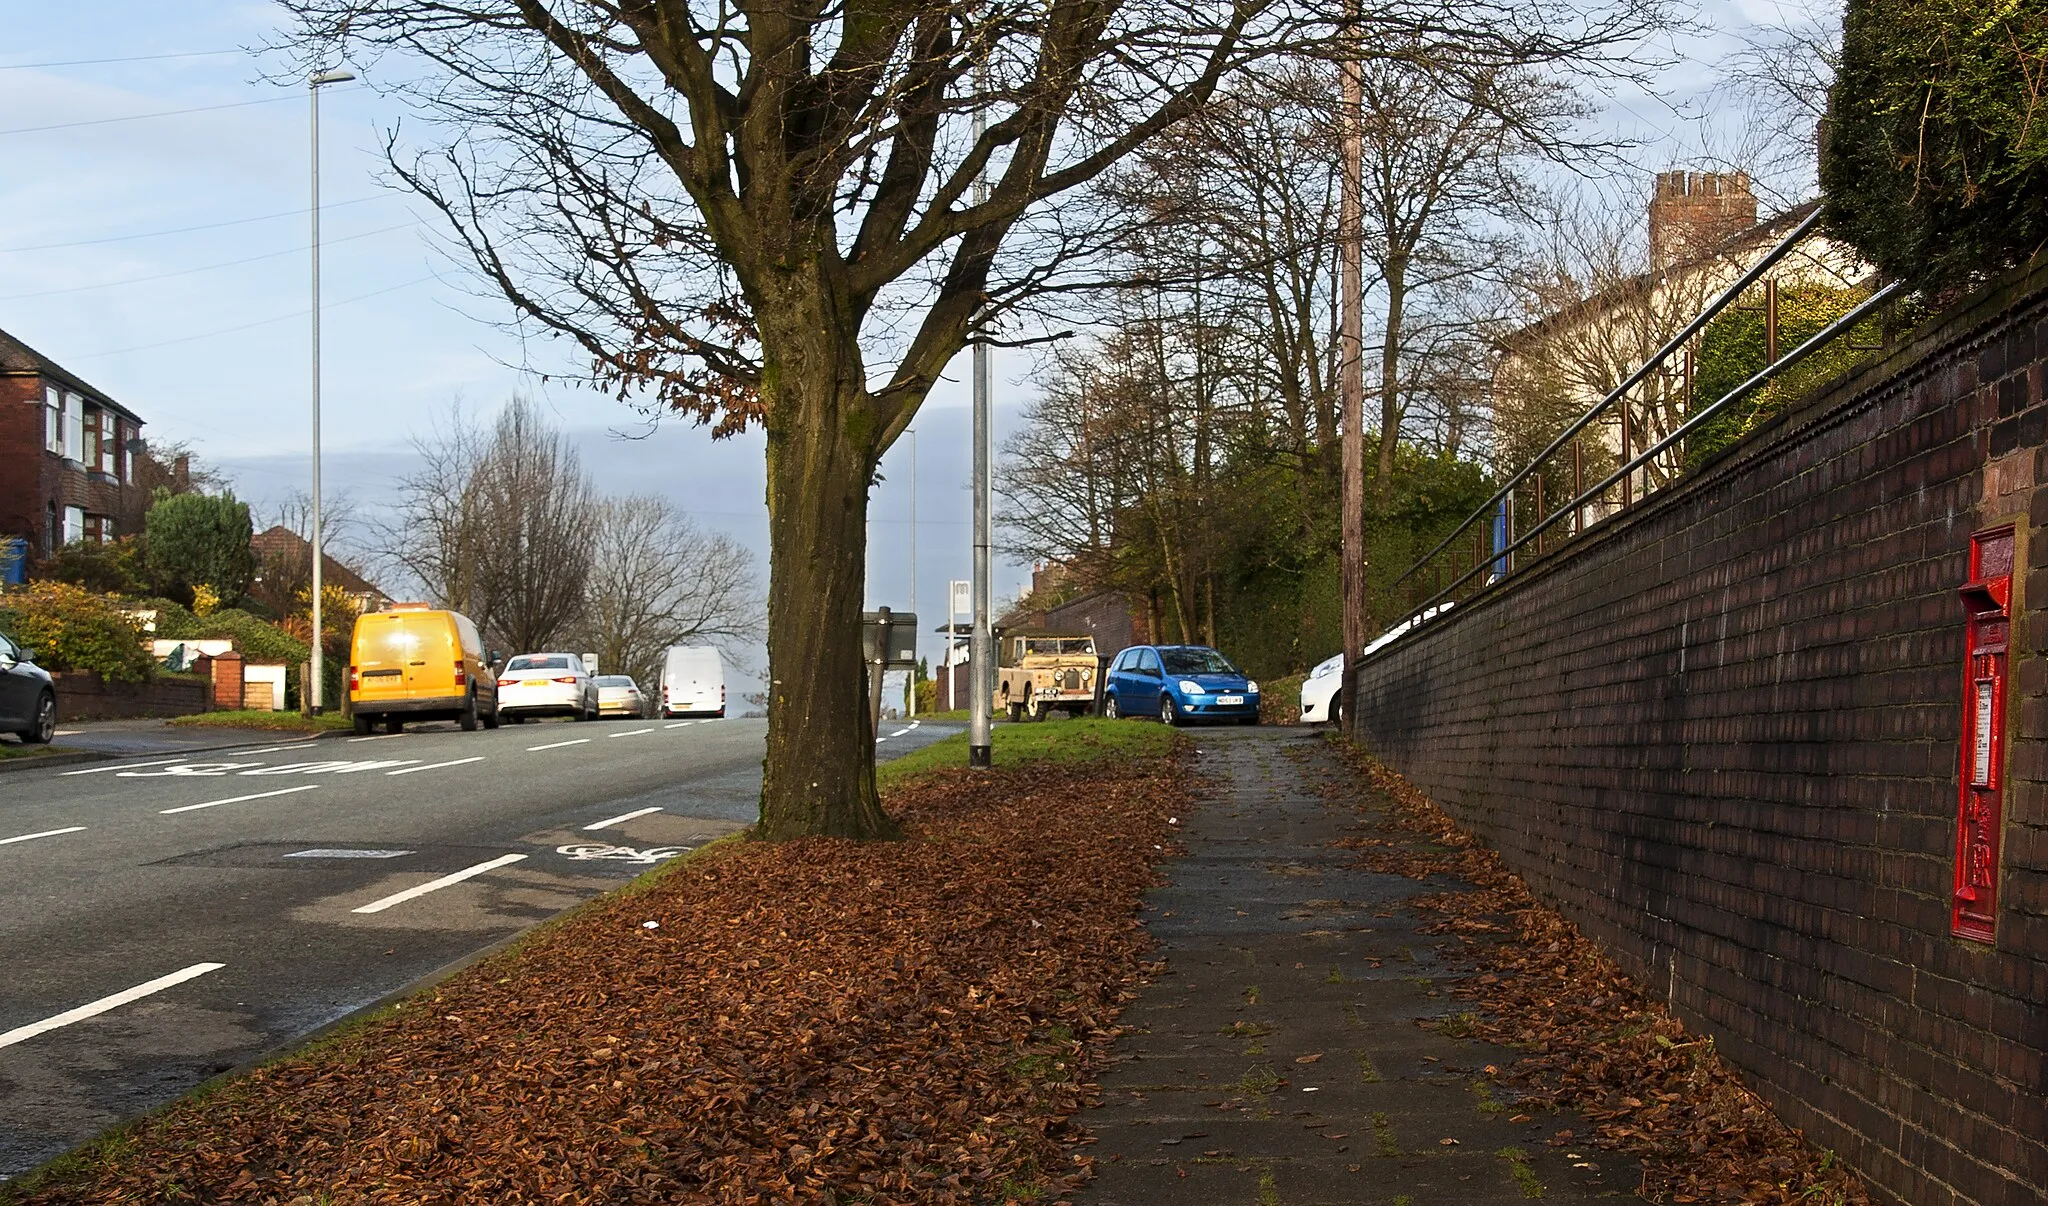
414, 662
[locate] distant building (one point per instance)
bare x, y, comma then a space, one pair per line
68, 455
284, 566
1704, 234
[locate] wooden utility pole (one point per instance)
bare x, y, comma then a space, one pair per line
1351, 363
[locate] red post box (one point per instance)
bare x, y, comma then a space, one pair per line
1987, 599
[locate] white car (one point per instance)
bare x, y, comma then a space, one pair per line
1319, 690
546, 684
619, 695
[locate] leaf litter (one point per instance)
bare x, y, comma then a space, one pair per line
817, 1021
1595, 1042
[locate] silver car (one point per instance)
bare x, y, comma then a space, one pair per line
619, 695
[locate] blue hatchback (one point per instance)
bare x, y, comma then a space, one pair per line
1178, 683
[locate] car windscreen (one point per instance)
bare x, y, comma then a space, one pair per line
1060, 646
1196, 661
530, 662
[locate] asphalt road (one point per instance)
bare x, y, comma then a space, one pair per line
168, 917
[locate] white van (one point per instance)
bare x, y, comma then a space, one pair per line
692, 681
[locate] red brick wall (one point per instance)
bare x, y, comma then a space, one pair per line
1722, 733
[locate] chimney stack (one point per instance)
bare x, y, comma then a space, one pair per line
1691, 213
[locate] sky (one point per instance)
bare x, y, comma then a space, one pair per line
154, 236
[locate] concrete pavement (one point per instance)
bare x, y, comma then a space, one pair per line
1277, 1060
172, 916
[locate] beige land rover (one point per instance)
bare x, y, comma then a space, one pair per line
1044, 672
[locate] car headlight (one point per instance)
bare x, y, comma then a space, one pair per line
1251, 687
1188, 687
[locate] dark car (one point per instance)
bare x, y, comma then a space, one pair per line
1178, 683
28, 699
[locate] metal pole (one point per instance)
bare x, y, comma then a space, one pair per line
911, 710
981, 649
1351, 363
315, 689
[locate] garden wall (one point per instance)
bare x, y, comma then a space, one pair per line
1721, 732
86, 696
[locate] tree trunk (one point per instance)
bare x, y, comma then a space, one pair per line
1390, 376
819, 778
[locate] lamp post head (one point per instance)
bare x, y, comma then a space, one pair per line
340, 75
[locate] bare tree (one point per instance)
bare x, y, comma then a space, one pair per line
730, 206
498, 524
657, 580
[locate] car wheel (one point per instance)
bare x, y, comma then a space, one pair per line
1014, 711
394, 724
468, 719
1168, 714
361, 724
44, 726
491, 718
1035, 709
1109, 711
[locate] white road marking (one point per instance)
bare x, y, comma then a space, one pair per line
278, 749
24, 1033
261, 795
621, 818
533, 749
379, 737
899, 732
378, 906
67, 732
124, 766
436, 765
632, 732
29, 837
681, 724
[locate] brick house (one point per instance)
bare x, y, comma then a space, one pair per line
284, 566
67, 455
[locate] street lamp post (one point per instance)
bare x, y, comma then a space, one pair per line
912, 433
314, 691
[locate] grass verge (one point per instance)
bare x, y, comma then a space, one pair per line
272, 722
21, 749
1064, 742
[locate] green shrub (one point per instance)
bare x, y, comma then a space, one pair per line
256, 640
1935, 162
197, 540
111, 568
1733, 349
71, 628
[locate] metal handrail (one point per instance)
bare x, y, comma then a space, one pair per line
1818, 340
1783, 248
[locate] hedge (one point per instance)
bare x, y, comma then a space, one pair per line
71, 628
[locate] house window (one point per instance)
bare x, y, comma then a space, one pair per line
74, 524
110, 441
99, 529
55, 533
124, 468
89, 453
74, 427
53, 420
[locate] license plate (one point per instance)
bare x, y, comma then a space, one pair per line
1227, 700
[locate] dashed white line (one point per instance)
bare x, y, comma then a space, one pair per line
632, 732
412, 770
378, 906
622, 818
899, 732
379, 737
534, 749
125, 766
261, 795
29, 837
279, 749
115, 1001
681, 724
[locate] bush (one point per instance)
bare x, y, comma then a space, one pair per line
1732, 350
201, 540
255, 639
72, 628
1935, 162
113, 568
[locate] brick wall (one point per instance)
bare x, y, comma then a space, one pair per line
1721, 732
86, 696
